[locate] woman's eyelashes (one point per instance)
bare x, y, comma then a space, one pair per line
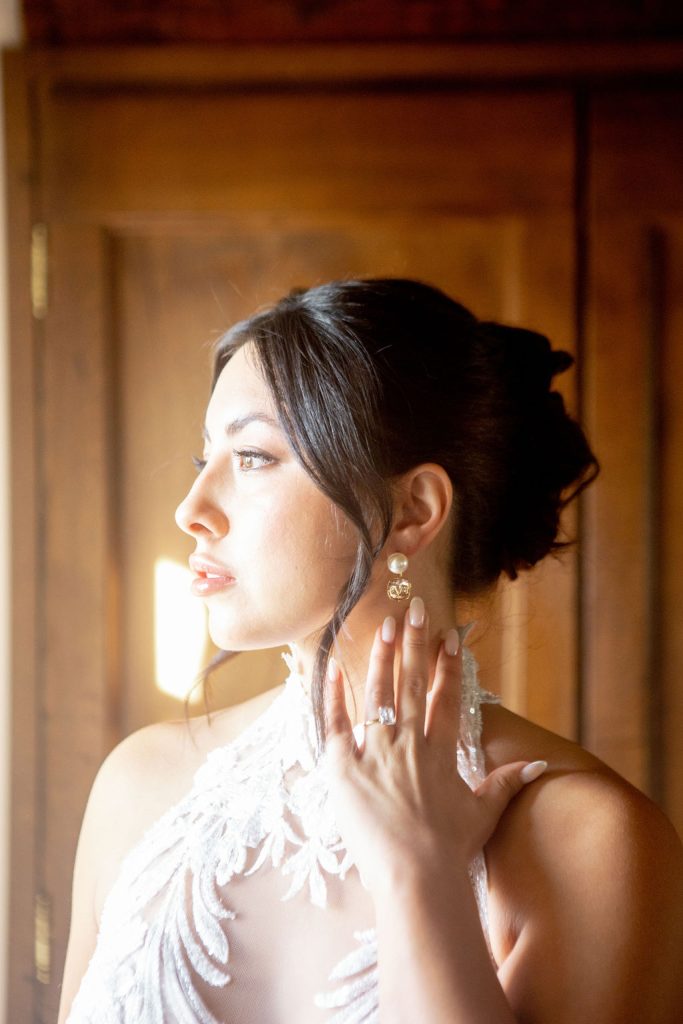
248, 460
252, 460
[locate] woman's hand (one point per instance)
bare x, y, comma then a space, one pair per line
401, 806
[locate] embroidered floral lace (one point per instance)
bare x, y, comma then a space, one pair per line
239, 901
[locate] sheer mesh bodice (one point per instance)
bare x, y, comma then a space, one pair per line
241, 904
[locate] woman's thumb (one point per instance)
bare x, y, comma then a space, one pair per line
499, 788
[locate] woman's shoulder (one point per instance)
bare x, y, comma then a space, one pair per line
159, 760
149, 772
580, 836
577, 794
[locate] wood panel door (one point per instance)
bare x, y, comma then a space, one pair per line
633, 580
172, 210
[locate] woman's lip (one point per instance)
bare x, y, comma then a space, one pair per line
209, 577
204, 586
203, 567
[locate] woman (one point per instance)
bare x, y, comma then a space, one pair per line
373, 455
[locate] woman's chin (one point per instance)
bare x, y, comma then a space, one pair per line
239, 640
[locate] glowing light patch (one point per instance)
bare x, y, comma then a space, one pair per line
180, 634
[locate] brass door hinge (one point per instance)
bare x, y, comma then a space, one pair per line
39, 270
42, 914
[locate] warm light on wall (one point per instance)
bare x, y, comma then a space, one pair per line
179, 630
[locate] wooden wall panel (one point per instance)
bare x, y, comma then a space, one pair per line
214, 21
633, 565
617, 578
158, 150
25, 343
669, 735
78, 569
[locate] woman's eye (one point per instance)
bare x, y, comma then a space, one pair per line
248, 460
252, 460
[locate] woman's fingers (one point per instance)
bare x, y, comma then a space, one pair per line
339, 739
379, 686
443, 716
414, 676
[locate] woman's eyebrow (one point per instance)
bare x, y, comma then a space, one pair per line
234, 426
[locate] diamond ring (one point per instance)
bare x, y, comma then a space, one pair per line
385, 716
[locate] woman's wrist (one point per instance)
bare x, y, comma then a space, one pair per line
421, 880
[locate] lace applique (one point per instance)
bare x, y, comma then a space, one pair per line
359, 996
261, 800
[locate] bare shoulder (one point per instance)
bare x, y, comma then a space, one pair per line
163, 757
144, 776
151, 770
587, 873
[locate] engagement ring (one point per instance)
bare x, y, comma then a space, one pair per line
385, 716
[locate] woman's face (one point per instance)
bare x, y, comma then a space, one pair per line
282, 546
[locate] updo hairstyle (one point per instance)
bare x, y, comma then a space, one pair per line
372, 377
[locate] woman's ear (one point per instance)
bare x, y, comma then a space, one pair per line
423, 501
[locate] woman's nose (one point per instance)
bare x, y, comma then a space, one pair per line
198, 514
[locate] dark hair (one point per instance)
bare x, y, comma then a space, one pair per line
371, 377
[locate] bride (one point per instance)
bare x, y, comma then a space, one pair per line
376, 838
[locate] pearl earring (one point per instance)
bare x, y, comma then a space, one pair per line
397, 588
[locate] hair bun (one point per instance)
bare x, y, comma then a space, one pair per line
527, 355
560, 361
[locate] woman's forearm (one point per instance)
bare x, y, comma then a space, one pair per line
434, 965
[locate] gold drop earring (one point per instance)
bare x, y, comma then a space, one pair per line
398, 589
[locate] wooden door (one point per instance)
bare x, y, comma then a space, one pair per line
175, 203
633, 579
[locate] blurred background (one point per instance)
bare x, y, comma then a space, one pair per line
171, 167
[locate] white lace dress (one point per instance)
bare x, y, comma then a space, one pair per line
241, 904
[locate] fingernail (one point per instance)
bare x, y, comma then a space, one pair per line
332, 670
416, 614
451, 642
389, 629
532, 771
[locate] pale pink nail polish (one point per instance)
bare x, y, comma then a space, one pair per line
389, 629
532, 771
332, 670
416, 614
451, 642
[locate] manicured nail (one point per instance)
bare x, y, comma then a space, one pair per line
416, 615
532, 771
451, 642
389, 629
332, 670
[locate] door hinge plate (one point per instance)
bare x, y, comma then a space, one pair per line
39, 270
42, 915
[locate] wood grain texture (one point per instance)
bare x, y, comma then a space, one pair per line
157, 151
149, 21
633, 558
329, 66
670, 727
75, 580
26, 799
